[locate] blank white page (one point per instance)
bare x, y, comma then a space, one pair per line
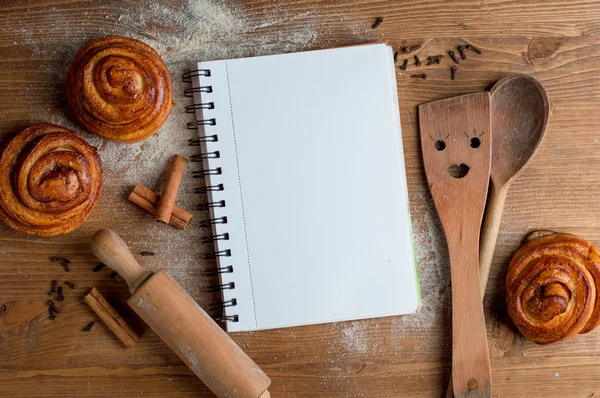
314, 180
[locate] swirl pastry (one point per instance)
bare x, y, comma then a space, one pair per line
50, 180
552, 287
120, 89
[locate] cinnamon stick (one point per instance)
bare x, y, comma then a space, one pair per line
148, 199
169, 193
111, 318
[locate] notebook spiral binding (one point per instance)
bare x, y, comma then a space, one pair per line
200, 157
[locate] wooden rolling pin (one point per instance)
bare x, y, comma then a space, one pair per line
176, 318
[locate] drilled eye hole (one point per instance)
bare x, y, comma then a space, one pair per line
440, 145
475, 142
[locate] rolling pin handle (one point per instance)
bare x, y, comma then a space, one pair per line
113, 251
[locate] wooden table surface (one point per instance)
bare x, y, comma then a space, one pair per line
556, 41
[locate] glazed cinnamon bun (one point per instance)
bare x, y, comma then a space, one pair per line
552, 287
50, 180
120, 89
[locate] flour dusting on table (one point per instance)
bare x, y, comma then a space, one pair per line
184, 32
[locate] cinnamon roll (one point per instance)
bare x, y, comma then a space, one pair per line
50, 180
553, 287
120, 89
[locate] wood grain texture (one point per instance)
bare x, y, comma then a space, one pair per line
556, 41
456, 141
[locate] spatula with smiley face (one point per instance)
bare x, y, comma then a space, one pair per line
456, 144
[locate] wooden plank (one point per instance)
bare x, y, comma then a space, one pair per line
556, 41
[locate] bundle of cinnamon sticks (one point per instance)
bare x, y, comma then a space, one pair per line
163, 206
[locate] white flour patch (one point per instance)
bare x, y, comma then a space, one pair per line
354, 337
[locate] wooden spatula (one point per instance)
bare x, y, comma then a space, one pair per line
456, 144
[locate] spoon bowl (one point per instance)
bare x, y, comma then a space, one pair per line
520, 112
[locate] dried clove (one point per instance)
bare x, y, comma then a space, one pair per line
63, 261
404, 65
454, 69
53, 287
3, 307
60, 294
453, 56
70, 284
417, 60
473, 48
98, 267
409, 49
89, 326
147, 253
461, 50
113, 275
53, 307
419, 76
396, 56
378, 22
435, 59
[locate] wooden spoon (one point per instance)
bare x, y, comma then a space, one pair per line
456, 144
520, 111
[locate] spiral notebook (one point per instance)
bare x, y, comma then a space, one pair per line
306, 188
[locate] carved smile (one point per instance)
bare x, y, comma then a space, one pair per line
458, 171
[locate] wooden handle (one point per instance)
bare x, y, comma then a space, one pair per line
193, 335
113, 251
471, 371
489, 233
487, 243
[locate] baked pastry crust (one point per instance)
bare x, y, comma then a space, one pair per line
120, 89
50, 180
552, 287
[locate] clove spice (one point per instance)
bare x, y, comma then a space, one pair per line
63, 261
434, 59
453, 56
147, 253
396, 56
417, 60
60, 294
70, 284
404, 65
53, 307
378, 21
473, 48
454, 69
409, 49
461, 50
89, 326
98, 267
419, 76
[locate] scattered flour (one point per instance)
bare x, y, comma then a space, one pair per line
354, 338
184, 32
